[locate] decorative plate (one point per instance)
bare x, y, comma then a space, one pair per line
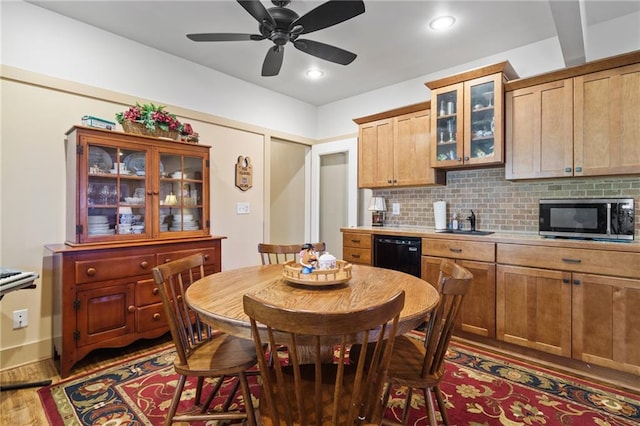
137, 163
292, 272
99, 157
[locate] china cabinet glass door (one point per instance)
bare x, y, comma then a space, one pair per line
116, 192
482, 135
181, 193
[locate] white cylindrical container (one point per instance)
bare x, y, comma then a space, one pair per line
440, 215
327, 261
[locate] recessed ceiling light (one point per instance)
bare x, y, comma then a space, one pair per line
442, 22
314, 74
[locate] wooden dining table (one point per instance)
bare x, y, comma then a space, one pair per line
217, 298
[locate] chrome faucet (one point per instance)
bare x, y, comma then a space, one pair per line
472, 220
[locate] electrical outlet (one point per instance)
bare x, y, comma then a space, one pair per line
395, 208
242, 208
20, 318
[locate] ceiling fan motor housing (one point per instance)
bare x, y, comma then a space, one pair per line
281, 34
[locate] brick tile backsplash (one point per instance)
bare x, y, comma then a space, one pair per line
499, 204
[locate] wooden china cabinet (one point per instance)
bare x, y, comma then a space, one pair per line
133, 202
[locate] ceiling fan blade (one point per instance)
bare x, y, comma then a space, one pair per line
224, 37
327, 14
273, 61
325, 51
258, 11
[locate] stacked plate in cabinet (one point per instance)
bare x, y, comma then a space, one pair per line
183, 222
99, 225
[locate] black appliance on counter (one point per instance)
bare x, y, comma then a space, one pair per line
397, 253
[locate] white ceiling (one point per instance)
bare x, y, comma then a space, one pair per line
391, 38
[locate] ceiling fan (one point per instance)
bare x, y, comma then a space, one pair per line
282, 25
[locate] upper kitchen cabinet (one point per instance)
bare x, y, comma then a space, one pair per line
394, 149
580, 121
127, 188
467, 119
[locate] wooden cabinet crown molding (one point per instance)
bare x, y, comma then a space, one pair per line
501, 67
394, 112
578, 70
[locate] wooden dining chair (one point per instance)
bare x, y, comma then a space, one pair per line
281, 253
201, 352
419, 364
320, 393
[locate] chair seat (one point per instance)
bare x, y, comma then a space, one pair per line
222, 355
406, 360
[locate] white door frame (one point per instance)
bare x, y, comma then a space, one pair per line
350, 146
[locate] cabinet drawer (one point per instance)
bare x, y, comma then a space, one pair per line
354, 239
459, 249
88, 271
357, 255
622, 264
211, 256
147, 292
150, 317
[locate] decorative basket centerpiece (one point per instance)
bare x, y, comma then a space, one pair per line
292, 271
150, 120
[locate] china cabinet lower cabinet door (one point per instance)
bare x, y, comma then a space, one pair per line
605, 321
478, 312
534, 308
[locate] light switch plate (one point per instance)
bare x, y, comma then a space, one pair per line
395, 208
242, 208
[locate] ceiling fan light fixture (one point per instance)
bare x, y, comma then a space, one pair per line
442, 22
314, 73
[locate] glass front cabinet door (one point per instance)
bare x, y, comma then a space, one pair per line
468, 122
124, 187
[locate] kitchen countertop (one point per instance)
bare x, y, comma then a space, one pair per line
498, 237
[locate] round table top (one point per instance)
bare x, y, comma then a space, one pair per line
218, 297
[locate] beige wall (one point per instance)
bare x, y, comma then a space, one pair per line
36, 111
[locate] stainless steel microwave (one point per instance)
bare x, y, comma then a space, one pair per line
593, 218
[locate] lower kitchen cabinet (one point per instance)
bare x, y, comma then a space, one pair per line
357, 247
556, 302
533, 308
478, 312
105, 296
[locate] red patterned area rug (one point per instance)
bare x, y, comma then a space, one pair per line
480, 388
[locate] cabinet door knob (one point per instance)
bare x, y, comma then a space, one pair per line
567, 169
389, 181
91, 271
131, 309
156, 317
466, 158
460, 159
144, 264
576, 282
578, 169
565, 280
206, 257
155, 291
167, 260
149, 192
155, 192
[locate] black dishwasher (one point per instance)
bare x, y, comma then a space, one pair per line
397, 253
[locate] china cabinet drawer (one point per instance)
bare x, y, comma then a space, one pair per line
210, 256
458, 249
622, 264
88, 271
356, 240
356, 255
147, 292
150, 317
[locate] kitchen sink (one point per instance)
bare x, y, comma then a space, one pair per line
465, 231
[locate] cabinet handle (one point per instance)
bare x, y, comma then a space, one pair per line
131, 309
167, 260
149, 192
156, 317
155, 193
578, 169
355, 241
91, 271
565, 280
144, 264
459, 159
466, 158
455, 250
567, 169
568, 260
155, 291
206, 257
355, 255
389, 181
576, 282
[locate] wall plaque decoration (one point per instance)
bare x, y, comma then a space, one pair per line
244, 173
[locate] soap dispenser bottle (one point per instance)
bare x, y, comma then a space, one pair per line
455, 221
